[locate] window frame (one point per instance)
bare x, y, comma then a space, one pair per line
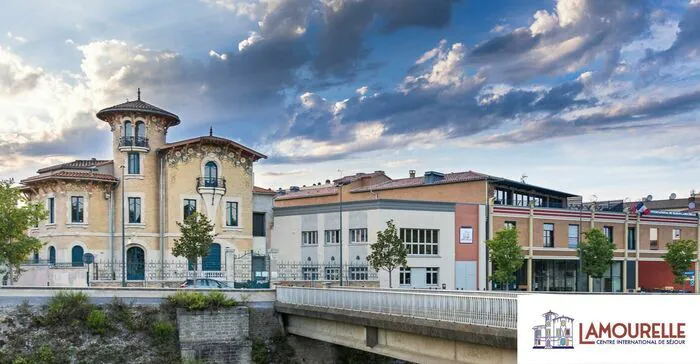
312, 272
676, 234
332, 273
227, 210
547, 239
569, 236
186, 202
631, 242
51, 202
653, 242
259, 231
81, 212
609, 232
421, 241
405, 276
510, 224
362, 233
358, 273
331, 234
432, 274
133, 164
309, 238
136, 201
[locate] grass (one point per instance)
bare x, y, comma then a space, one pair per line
68, 306
97, 321
163, 331
196, 301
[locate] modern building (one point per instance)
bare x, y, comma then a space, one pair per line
445, 219
142, 193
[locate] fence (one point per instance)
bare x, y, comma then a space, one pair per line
306, 271
481, 310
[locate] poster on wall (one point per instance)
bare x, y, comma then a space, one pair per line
466, 235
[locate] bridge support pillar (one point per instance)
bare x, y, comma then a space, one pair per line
372, 336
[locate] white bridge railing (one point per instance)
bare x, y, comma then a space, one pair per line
477, 309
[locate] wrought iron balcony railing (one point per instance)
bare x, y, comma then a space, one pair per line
209, 182
131, 141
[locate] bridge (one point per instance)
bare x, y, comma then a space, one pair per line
418, 326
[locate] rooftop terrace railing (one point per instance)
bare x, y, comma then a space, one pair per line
473, 309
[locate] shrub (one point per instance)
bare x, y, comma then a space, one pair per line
259, 352
68, 306
196, 301
121, 312
97, 321
163, 331
45, 355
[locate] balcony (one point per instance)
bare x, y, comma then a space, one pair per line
133, 144
211, 185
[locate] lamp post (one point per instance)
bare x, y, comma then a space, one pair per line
123, 233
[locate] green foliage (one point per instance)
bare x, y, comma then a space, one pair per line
21, 360
163, 331
679, 257
17, 216
389, 252
121, 312
97, 321
506, 255
197, 301
46, 355
596, 253
260, 354
68, 306
197, 236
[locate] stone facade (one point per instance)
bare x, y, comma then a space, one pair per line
152, 179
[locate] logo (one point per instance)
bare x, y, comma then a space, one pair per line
556, 333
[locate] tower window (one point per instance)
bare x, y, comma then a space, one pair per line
134, 163
128, 129
140, 130
211, 172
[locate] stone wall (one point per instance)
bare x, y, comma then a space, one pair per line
221, 336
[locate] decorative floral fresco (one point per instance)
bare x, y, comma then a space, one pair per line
198, 151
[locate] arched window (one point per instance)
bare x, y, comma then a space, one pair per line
210, 174
52, 255
77, 256
212, 262
140, 130
135, 264
128, 129
35, 257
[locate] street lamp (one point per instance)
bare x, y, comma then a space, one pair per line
123, 234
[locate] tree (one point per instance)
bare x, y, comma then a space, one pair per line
17, 216
389, 252
506, 255
680, 256
197, 237
596, 254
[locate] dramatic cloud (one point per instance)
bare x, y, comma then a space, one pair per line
564, 40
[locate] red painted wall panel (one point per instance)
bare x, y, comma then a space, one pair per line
653, 275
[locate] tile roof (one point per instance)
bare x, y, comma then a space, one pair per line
309, 192
71, 175
77, 164
352, 178
263, 191
213, 140
419, 181
138, 106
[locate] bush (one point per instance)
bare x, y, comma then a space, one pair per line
68, 306
122, 312
97, 321
196, 301
163, 331
259, 352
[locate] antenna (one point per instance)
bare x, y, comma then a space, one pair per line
649, 198
672, 197
138, 92
523, 178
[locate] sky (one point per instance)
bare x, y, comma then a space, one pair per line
596, 98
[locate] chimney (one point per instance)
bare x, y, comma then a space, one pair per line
432, 177
412, 173
294, 189
280, 191
328, 181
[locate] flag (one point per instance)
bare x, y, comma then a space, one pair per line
641, 209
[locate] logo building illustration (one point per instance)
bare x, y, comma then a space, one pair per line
556, 333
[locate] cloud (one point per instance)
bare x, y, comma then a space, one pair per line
16, 38
298, 172
15, 76
563, 40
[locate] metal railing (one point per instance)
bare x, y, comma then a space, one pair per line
309, 271
133, 141
480, 310
211, 182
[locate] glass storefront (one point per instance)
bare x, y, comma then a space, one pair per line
558, 275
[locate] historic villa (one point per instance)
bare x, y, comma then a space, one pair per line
161, 183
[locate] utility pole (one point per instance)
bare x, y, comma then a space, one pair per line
123, 233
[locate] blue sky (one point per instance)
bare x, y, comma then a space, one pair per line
598, 98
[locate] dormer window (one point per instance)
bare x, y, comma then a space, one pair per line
211, 174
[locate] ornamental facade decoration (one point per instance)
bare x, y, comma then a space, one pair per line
44, 188
159, 124
186, 153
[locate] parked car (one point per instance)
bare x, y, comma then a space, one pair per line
203, 283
